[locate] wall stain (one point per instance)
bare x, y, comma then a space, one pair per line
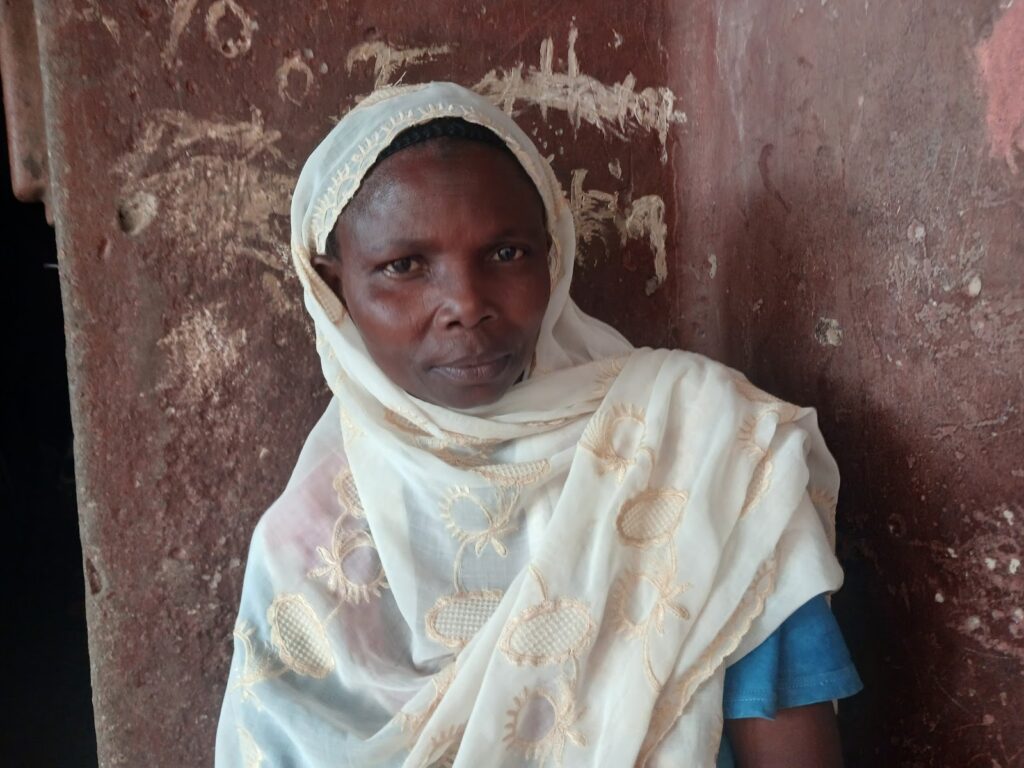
1000, 60
201, 352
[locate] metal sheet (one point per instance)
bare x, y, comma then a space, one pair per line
827, 195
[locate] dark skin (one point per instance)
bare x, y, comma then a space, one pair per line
442, 264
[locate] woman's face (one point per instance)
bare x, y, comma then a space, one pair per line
443, 269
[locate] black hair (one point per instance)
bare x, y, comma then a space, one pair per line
440, 128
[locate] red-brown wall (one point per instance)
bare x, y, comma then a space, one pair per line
828, 195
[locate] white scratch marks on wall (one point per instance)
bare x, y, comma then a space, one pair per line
201, 352
388, 59
594, 211
93, 12
181, 14
618, 108
294, 79
238, 41
220, 189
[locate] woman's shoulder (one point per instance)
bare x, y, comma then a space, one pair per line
303, 517
701, 372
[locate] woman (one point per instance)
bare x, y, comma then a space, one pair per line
513, 538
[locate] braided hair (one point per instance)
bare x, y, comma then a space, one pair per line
440, 128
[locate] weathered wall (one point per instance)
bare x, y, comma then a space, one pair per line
828, 195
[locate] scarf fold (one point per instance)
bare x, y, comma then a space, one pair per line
559, 578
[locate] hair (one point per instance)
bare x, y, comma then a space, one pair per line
452, 128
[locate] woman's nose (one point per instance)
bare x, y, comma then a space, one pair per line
464, 299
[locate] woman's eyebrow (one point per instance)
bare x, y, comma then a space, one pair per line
427, 244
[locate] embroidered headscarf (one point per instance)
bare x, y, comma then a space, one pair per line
560, 577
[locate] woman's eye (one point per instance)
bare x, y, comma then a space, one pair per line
402, 266
508, 253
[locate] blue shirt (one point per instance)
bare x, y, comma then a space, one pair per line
805, 661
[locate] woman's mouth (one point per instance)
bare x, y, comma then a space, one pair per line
475, 371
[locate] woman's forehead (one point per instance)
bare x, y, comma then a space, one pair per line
420, 177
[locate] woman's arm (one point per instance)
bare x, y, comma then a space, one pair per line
798, 737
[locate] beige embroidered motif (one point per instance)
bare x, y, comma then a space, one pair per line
252, 755
413, 723
298, 636
540, 722
615, 438
514, 475
447, 742
638, 604
496, 519
256, 667
651, 518
455, 619
825, 503
352, 567
549, 633
759, 483
676, 695
348, 496
607, 372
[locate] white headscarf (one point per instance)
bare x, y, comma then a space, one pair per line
559, 578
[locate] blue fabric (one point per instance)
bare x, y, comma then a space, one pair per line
805, 661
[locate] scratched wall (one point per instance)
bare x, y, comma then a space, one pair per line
826, 194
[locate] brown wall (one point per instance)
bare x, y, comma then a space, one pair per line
826, 194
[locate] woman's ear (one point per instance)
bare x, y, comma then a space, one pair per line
329, 269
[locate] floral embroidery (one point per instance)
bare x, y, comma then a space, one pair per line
413, 723
676, 695
651, 518
298, 636
447, 742
352, 568
759, 483
455, 619
639, 602
615, 438
540, 722
256, 667
252, 755
461, 503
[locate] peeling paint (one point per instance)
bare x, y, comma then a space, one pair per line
991, 585
828, 333
617, 109
220, 188
644, 218
615, 169
388, 59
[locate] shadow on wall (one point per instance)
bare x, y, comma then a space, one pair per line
48, 718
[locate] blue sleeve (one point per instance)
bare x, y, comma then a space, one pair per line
805, 661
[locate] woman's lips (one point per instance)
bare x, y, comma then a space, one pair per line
474, 372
